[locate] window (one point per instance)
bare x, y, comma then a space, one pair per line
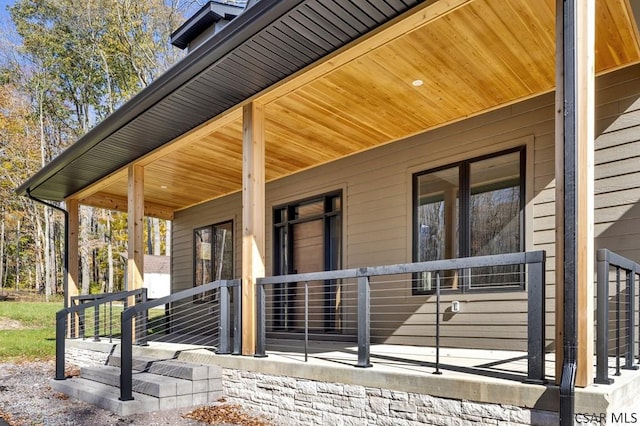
472, 208
307, 238
213, 249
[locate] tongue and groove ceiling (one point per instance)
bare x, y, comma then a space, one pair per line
472, 56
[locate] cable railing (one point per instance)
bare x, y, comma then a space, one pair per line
101, 320
206, 315
617, 327
411, 305
90, 306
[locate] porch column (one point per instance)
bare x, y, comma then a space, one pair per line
72, 253
135, 227
575, 52
253, 220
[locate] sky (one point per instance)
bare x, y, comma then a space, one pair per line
3, 6
6, 26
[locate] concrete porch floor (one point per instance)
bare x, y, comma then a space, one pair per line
467, 374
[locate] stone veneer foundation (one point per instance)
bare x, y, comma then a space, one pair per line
294, 393
287, 400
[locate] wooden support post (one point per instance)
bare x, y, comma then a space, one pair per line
253, 218
575, 185
135, 225
585, 234
72, 253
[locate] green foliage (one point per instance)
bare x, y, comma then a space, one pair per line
74, 63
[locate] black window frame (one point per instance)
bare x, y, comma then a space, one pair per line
289, 221
333, 255
464, 220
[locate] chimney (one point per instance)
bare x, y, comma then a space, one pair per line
206, 22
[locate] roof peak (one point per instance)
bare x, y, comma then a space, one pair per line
207, 21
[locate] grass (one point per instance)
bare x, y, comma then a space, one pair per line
36, 338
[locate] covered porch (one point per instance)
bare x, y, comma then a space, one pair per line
290, 87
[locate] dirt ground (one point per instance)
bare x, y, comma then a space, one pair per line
26, 399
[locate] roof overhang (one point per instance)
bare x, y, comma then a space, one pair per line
335, 78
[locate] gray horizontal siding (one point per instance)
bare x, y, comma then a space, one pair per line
376, 188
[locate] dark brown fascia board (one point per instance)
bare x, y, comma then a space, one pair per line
238, 31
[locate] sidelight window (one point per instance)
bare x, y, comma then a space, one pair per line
213, 249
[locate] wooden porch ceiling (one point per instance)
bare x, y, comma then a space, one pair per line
473, 56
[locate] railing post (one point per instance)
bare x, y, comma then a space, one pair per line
126, 361
306, 321
261, 328
223, 347
141, 320
437, 372
110, 322
96, 322
536, 320
602, 308
617, 321
631, 319
81, 320
237, 316
364, 321
61, 332
73, 333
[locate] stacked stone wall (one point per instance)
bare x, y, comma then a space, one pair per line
287, 400
85, 357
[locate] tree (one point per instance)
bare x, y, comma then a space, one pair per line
71, 65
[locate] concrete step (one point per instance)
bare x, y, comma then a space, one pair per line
139, 363
151, 384
170, 367
153, 352
105, 396
185, 370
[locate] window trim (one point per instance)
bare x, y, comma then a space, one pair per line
464, 218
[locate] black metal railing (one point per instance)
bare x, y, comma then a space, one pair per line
103, 324
318, 311
78, 312
201, 315
616, 314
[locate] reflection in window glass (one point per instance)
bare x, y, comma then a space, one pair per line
473, 208
495, 217
437, 219
203, 264
213, 249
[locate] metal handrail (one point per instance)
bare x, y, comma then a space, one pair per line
63, 314
536, 298
605, 260
126, 355
86, 298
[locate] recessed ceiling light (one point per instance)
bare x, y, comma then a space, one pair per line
163, 186
417, 83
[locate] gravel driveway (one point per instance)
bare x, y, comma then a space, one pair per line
27, 399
